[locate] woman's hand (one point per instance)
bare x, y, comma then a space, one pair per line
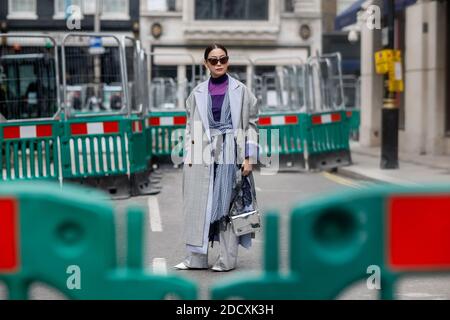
247, 167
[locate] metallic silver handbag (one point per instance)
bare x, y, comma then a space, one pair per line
244, 212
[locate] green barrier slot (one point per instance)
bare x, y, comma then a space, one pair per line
8, 160
92, 155
32, 158
76, 155
124, 155
23, 151
116, 153
16, 160
40, 158
100, 143
84, 156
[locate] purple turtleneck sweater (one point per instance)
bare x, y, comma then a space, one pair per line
217, 89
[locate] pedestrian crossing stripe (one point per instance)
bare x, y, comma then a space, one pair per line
278, 120
418, 232
90, 128
9, 236
24, 132
166, 121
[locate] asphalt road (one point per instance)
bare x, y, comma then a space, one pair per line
165, 247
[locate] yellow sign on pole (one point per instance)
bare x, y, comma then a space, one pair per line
390, 62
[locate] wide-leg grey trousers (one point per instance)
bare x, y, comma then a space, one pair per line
228, 253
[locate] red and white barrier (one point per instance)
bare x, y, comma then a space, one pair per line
94, 128
166, 121
24, 132
277, 120
326, 118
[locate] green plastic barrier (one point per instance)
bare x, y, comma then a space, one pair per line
66, 239
290, 138
106, 136
336, 240
137, 144
164, 131
327, 140
354, 116
29, 150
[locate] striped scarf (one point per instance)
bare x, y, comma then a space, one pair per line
224, 153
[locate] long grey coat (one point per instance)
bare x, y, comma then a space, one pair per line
198, 162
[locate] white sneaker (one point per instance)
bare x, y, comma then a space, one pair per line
181, 266
219, 269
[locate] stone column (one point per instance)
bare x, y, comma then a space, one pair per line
436, 77
371, 87
425, 78
181, 90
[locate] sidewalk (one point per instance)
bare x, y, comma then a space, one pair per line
414, 169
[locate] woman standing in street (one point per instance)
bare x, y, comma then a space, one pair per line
221, 142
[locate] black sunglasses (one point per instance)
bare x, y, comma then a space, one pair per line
214, 61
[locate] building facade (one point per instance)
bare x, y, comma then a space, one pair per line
117, 16
422, 34
271, 33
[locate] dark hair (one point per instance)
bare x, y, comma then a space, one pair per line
212, 47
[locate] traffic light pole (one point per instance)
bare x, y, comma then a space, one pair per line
390, 111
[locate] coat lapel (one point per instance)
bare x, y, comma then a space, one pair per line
235, 94
201, 99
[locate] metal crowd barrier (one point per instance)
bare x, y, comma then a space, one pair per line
326, 126
30, 107
96, 134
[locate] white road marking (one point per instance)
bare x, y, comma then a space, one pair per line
153, 211
159, 266
258, 189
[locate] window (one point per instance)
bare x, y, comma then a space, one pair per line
161, 5
115, 7
288, 5
115, 10
22, 9
232, 9
60, 7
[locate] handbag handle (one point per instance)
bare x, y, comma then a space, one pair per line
239, 188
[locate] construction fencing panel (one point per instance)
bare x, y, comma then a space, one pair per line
29, 108
335, 240
352, 96
281, 98
29, 77
325, 127
49, 235
30, 151
168, 92
94, 75
94, 147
